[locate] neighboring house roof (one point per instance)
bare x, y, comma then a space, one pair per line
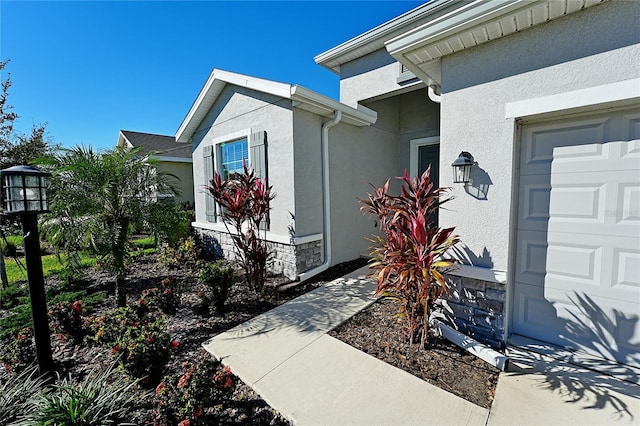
302, 98
470, 25
165, 147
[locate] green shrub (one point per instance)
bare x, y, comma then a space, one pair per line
18, 350
215, 280
165, 297
18, 395
169, 222
102, 398
10, 245
135, 334
9, 297
183, 254
412, 257
194, 395
66, 319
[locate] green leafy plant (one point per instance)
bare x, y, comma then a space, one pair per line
67, 319
18, 395
195, 395
165, 297
97, 198
215, 279
18, 351
184, 254
169, 222
135, 334
411, 258
244, 200
102, 398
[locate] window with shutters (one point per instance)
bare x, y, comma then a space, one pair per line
226, 155
232, 154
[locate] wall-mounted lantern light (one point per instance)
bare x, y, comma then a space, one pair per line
25, 195
462, 168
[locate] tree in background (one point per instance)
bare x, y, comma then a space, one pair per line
17, 148
97, 197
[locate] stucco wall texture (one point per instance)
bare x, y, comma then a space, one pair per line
238, 109
587, 49
184, 174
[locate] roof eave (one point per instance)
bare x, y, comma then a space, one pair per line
374, 38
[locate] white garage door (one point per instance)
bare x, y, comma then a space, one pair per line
577, 279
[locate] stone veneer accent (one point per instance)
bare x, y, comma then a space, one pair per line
289, 259
478, 309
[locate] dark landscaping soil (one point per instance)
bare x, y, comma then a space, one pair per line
375, 331
378, 331
190, 326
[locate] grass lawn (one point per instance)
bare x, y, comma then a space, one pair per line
50, 266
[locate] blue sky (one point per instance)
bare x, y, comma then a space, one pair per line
89, 69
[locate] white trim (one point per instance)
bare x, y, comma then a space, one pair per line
230, 137
478, 273
307, 239
413, 151
218, 79
627, 90
219, 227
173, 159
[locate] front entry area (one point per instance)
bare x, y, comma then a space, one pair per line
577, 260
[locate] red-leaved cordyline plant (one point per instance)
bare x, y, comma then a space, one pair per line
244, 199
409, 261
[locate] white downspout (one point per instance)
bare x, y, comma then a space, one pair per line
326, 201
431, 91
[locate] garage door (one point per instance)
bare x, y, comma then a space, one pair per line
577, 278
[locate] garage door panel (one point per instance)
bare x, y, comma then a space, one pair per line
531, 258
583, 138
577, 260
535, 195
595, 203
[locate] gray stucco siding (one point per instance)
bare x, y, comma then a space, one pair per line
587, 49
307, 136
239, 109
370, 76
358, 156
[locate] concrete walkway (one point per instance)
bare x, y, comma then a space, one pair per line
313, 379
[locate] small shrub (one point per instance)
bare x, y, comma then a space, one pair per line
411, 259
136, 337
143, 350
18, 395
66, 318
102, 398
215, 279
165, 297
245, 200
184, 254
18, 351
9, 297
194, 395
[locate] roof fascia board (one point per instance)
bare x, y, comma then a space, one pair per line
123, 139
205, 99
328, 58
470, 15
172, 159
362, 115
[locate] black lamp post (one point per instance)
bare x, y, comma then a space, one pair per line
462, 168
25, 195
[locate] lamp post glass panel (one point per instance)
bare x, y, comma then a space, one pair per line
462, 168
25, 195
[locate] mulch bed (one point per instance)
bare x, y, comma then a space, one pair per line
190, 326
379, 332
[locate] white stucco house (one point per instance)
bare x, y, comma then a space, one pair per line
171, 157
545, 95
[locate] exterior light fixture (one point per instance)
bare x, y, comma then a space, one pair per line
25, 195
462, 168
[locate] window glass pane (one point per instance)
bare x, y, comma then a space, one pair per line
231, 156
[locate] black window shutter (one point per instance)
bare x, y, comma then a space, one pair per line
210, 203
